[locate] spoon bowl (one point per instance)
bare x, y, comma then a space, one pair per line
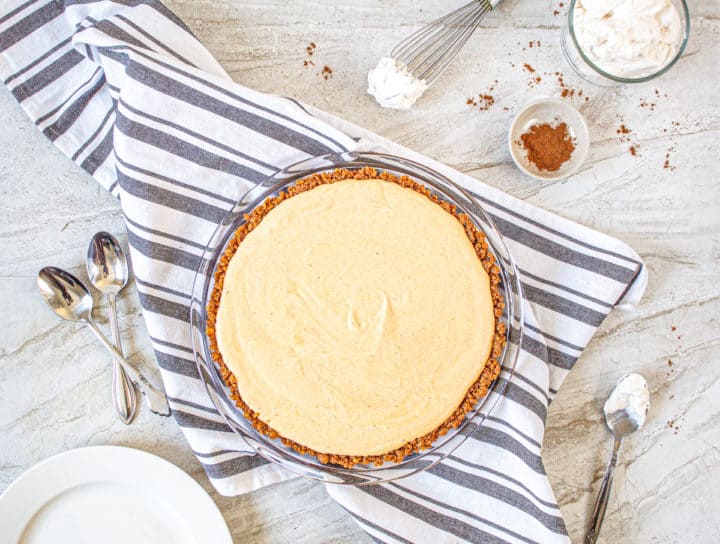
627, 406
621, 423
66, 295
106, 264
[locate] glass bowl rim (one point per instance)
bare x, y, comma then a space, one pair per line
642, 79
513, 297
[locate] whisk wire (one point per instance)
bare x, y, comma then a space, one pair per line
444, 55
434, 38
429, 50
411, 41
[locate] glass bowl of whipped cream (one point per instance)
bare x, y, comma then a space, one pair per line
610, 42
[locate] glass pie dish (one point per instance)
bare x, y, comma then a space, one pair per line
273, 449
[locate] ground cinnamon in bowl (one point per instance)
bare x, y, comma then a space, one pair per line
548, 139
548, 146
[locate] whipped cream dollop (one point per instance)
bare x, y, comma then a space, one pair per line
632, 395
393, 86
628, 38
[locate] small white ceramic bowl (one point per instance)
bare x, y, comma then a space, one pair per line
554, 112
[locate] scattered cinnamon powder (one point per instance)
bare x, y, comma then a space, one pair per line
485, 100
668, 166
326, 72
623, 131
548, 147
567, 91
310, 50
534, 81
673, 424
649, 105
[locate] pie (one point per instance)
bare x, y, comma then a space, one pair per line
355, 316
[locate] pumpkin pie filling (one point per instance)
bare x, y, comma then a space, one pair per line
355, 317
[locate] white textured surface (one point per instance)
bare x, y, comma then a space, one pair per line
54, 379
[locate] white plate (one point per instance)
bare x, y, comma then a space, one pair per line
108, 495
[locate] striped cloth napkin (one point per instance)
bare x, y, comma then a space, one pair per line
126, 91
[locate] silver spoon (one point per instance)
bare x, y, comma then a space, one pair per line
625, 412
107, 269
69, 298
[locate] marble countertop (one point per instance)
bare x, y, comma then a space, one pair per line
664, 201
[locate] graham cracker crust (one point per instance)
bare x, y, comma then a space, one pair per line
477, 391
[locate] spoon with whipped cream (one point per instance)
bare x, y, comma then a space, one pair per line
625, 412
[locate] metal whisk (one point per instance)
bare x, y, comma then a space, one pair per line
427, 52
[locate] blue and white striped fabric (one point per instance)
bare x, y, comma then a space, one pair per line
126, 91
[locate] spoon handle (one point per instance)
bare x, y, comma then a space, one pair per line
603, 496
123, 392
156, 399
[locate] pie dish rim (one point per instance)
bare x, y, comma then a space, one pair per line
307, 465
